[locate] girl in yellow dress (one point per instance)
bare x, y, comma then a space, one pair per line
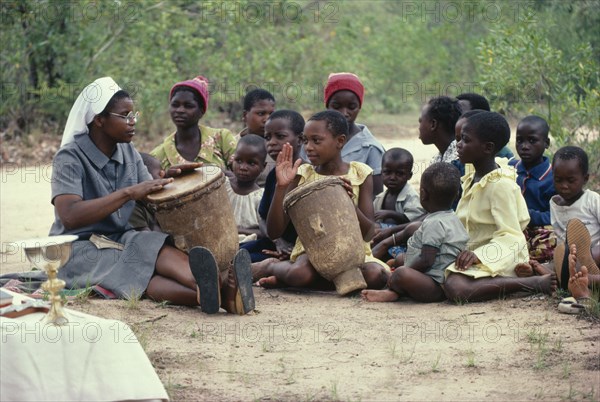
494, 214
325, 134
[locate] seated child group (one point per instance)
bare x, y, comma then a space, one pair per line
483, 222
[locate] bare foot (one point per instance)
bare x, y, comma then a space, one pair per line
539, 268
578, 281
578, 284
261, 269
524, 270
268, 282
385, 295
546, 283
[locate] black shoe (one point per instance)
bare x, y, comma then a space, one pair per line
238, 296
205, 271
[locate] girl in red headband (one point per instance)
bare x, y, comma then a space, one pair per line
193, 142
344, 92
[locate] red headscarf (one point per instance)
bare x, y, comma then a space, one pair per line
199, 84
344, 81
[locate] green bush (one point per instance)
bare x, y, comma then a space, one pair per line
537, 57
529, 75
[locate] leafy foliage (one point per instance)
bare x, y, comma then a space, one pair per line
527, 57
527, 73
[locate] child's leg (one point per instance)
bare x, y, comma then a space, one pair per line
416, 285
561, 264
375, 275
410, 282
524, 269
587, 252
399, 260
596, 253
578, 281
593, 280
379, 296
459, 287
299, 273
380, 250
531, 268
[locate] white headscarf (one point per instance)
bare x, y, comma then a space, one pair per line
90, 102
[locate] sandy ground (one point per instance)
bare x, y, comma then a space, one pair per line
318, 346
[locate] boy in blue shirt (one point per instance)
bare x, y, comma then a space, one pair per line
534, 176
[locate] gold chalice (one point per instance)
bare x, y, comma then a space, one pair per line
50, 254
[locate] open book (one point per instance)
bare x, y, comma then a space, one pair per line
101, 241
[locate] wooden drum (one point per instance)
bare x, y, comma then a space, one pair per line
196, 211
326, 222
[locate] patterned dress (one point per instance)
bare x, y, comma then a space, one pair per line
217, 147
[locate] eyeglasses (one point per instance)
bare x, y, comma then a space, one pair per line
131, 117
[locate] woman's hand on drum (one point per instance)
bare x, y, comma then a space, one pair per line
286, 168
141, 190
177, 170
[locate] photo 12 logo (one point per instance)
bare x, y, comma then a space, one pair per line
457, 331
66, 91
287, 332
76, 11
261, 12
467, 11
89, 332
291, 92
512, 92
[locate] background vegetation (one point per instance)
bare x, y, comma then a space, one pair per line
527, 57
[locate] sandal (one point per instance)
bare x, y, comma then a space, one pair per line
579, 235
561, 265
205, 271
239, 297
569, 305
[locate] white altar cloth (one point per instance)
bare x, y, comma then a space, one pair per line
90, 358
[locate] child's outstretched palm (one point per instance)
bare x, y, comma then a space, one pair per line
286, 169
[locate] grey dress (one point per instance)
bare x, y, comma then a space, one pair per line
80, 168
444, 231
